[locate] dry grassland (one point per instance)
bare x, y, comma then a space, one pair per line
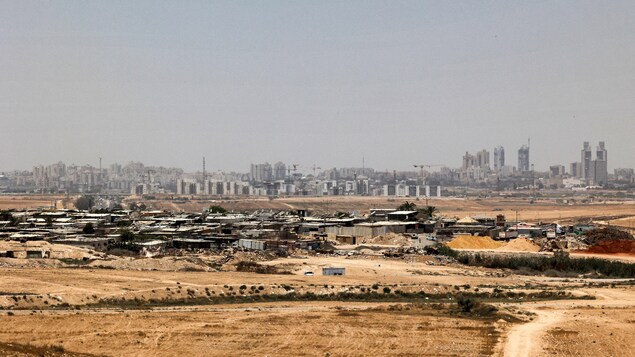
291, 328
280, 330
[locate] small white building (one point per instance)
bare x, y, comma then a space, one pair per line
333, 271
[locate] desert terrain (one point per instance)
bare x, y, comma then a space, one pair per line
85, 303
101, 311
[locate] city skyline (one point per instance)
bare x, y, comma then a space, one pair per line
396, 83
499, 161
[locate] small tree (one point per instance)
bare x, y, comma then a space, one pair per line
127, 236
5, 216
84, 203
429, 212
88, 228
407, 206
216, 209
466, 304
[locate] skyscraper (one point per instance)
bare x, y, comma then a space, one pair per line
261, 172
599, 169
594, 172
586, 157
499, 158
601, 152
523, 158
482, 159
279, 171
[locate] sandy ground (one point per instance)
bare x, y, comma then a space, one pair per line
83, 286
275, 330
303, 328
35, 202
554, 328
599, 327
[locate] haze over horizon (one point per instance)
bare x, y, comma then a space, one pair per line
327, 83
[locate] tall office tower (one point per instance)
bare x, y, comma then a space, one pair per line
279, 171
261, 172
523, 158
575, 169
499, 158
598, 173
482, 159
601, 153
469, 161
586, 157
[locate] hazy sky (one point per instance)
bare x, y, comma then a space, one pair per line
324, 82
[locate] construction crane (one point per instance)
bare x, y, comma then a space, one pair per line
423, 177
314, 168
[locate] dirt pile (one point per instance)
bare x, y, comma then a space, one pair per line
388, 239
598, 235
521, 245
614, 247
474, 242
149, 264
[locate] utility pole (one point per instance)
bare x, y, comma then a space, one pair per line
533, 182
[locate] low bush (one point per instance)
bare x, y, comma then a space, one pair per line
560, 264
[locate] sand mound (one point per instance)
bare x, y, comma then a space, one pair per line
388, 239
613, 247
521, 245
474, 242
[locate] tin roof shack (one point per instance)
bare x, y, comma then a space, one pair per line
6, 254
333, 271
37, 254
280, 245
187, 243
526, 230
469, 225
379, 214
315, 227
346, 239
485, 220
308, 244
252, 244
402, 216
94, 243
370, 230
216, 243
153, 246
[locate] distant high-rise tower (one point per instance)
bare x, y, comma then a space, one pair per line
482, 159
523, 158
499, 158
575, 169
279, 171
601, 152
261, 172
598, 172
585, 162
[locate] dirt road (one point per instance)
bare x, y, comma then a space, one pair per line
531, 339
